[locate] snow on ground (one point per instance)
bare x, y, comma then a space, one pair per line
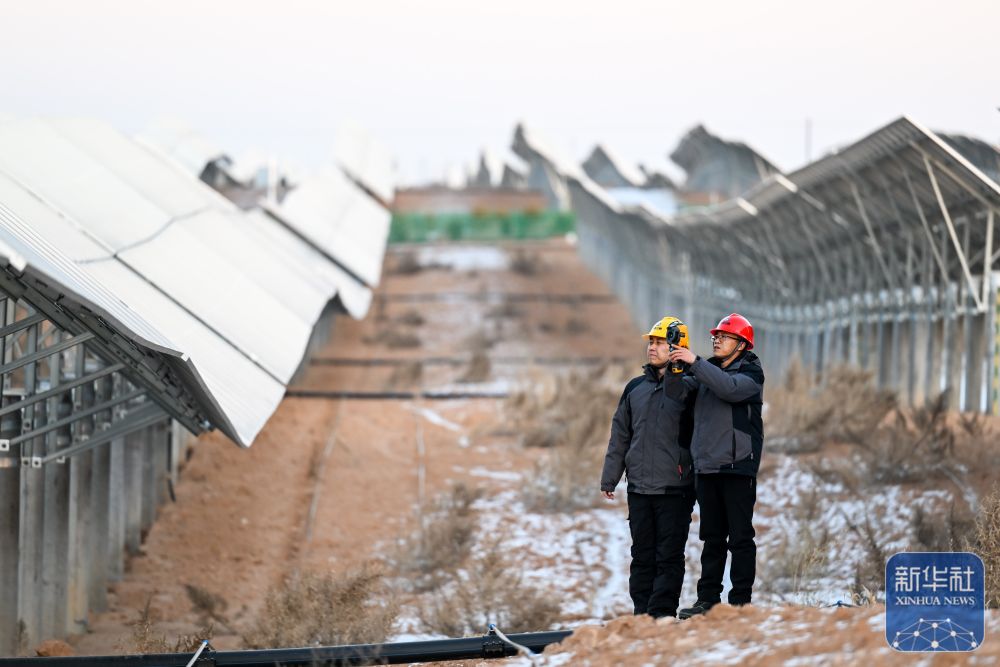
464, 257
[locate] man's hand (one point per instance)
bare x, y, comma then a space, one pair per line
610, 495
682, 354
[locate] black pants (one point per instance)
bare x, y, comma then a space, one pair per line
725, 502
659, 525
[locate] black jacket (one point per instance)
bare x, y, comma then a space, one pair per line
651, 435
728, 430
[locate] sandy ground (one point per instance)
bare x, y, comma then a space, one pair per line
241, 519
332, 484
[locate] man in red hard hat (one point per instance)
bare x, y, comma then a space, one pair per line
726, 446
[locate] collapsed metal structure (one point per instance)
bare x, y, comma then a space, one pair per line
132, 298
881, 255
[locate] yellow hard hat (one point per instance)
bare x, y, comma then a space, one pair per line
664, 329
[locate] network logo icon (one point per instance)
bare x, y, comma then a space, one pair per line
935, 635
935, 601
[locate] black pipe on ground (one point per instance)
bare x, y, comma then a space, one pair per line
470, 648
391, 395
510, 297
462, 361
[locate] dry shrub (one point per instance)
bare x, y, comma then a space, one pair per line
401, 340
802, 415
942, 531
324, 609
490, 591
895, 444
526, 263
985, 542
208, 605
795, 562
442, 542
406, 264
565, 480
478, 369
145, 639
574, 408
506, 310
480, 340
869, 571
570, 415
800, 558
406, 373
411, 318
914, 445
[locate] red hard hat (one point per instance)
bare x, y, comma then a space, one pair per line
737, 325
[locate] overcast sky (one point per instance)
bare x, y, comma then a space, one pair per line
437, 80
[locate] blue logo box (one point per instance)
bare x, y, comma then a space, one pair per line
935, 601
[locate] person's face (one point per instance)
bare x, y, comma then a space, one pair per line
657, 350
724, 345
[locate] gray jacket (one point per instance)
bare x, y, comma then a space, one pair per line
728, 431
651, 435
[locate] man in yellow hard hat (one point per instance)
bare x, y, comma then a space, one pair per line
650, 443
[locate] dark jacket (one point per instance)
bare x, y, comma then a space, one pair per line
728, 431
651, 435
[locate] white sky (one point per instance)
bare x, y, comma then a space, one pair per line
438, 79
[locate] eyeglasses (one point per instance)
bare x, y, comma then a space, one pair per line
721, 337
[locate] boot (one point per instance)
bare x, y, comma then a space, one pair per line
699, 607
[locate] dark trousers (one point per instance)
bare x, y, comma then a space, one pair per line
659, 525
725, 502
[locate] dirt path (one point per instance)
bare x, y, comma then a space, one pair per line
241, 518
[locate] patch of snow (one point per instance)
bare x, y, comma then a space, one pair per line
435, 418
505, 475
464, 257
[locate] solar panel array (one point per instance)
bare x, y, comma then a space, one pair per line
881, 255
222, 302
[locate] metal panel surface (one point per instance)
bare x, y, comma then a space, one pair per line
242, 244
77, 185
307, 260
366, 161
340, 219
159, 179
243, 392
48, 224
189, 148
52, 264
224, 296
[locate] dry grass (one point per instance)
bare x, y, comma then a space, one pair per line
406, 264
411, 318
790, 567
491, 590
405, 373
942, 531
442, 541
565, 479
479, 368
895, 444
985, 542
145, 639
208, 605
526, 263
506, 310
553, 409
802, 415
570, 415
323, 609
